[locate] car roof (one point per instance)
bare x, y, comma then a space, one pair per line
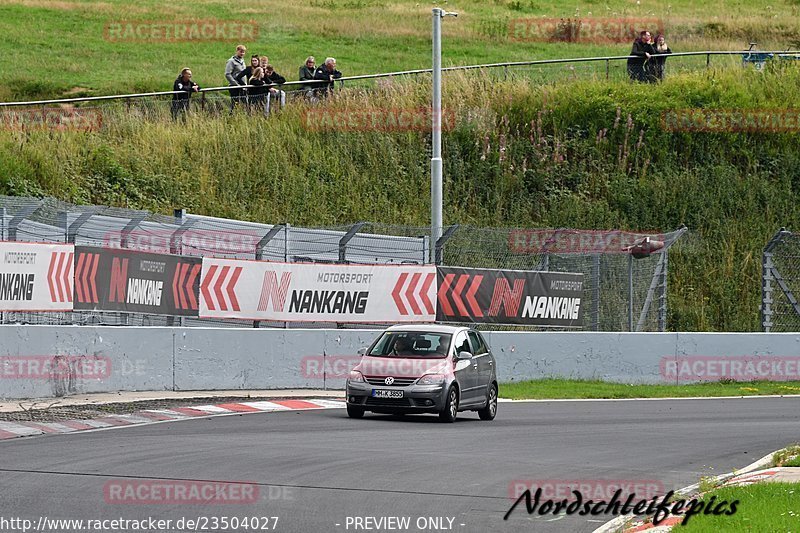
432, 328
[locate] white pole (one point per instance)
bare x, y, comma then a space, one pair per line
436, 159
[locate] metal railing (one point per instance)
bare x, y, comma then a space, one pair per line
783, 54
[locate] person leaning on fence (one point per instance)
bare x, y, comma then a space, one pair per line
642, 50
180, 100
327, 72
306, 74
658, 63
258, 92
275, 80
233, 68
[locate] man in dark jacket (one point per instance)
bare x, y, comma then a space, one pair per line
274, 79
327, 72
642, 50
180, 100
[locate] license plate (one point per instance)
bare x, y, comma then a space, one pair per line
381, 393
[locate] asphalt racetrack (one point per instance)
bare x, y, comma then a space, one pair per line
319, 471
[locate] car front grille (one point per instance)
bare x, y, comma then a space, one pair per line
398, 382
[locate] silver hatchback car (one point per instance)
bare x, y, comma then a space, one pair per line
425, 369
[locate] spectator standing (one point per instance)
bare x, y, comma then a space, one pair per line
258, 91
180, 100
306, 74
243, 78
659, 62
233, 68
642, 50
275, 93
327, 72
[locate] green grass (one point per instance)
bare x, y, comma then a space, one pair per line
761, 507
548, 147
66, 51
546, 389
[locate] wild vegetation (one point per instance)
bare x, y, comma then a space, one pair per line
555, 147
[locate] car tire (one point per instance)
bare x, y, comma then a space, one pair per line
355, 412
450, 408
490, 411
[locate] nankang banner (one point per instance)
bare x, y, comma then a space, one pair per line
109, 279
35, 276
509, 297
303, 292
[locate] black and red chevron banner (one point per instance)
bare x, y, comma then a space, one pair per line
109, 279
509, 297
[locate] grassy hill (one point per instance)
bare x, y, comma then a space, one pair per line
587, 154
524, 151
55, 48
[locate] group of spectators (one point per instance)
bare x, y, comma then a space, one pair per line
649, 61
257, 85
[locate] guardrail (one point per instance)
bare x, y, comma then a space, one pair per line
783, 54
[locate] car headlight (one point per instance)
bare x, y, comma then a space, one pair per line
356, 377
431, 379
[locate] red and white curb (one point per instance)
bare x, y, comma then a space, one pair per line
10, 430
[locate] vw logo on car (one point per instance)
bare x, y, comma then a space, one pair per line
434, 369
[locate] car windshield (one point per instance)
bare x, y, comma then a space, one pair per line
412, 344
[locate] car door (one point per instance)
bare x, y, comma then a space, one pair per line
483, 363
466, 370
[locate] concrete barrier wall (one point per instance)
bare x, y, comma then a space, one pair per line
157, 358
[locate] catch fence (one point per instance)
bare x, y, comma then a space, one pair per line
625, 273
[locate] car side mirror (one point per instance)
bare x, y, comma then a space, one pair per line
362, 351
461, 356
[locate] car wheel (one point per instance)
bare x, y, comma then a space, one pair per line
490, 411
450, 409
355, 412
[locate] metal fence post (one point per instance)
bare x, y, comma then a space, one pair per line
260, 250
346, 238
662, 293
595, 292
72, 229
2, 223
630, 292
21, 215
135, 220
439, 247
767, 277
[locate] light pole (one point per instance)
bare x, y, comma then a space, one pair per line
436, 159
